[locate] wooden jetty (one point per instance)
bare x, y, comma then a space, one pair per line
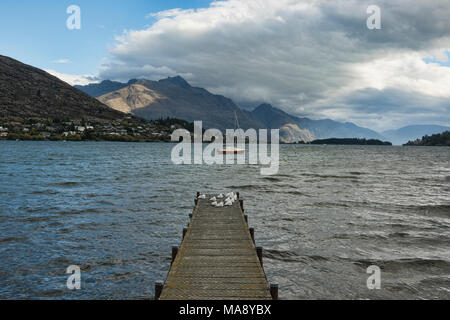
217, 259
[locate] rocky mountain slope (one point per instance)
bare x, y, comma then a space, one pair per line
291, 133
175, 97
321, 129
28, 92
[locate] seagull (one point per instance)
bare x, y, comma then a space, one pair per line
229, 200
202, 196
220, 196
214, 204
228, 203
219, 205
213, 199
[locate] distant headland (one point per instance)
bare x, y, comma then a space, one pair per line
350, 141
440, 139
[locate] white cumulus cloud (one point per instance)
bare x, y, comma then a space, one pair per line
74, 79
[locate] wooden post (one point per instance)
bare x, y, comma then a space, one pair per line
158, 289
196, 198
274, 290
184, 232
259, 252
190, 216
242, 204
237, 193
246, 219
252, 234
174, 253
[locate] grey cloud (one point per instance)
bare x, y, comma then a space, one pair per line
410, 24
272, 51
378, 108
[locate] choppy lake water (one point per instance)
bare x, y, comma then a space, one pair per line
115, 209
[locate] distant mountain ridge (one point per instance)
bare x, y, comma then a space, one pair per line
98, 89
412, 133
173, 97
273, 118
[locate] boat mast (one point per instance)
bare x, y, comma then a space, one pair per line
236, 122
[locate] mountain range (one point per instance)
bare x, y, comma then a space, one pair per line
28, 92
274, 118
412, 133
175, 97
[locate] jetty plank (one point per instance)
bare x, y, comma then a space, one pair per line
217, 259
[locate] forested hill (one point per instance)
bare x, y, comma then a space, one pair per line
440, 139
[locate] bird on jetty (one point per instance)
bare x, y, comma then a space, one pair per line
203, 196
230, 198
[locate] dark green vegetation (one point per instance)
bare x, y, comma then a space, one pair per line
440, 139
35, 105
126, 129
360, 142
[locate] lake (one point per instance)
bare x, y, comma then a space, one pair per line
116, 209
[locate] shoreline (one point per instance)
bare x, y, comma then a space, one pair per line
172, 142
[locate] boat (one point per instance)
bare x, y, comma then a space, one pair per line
232, 150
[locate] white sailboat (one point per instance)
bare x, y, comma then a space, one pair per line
235, 149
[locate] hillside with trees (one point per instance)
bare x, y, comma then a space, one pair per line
440, 139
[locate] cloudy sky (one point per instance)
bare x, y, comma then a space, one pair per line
313, 58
